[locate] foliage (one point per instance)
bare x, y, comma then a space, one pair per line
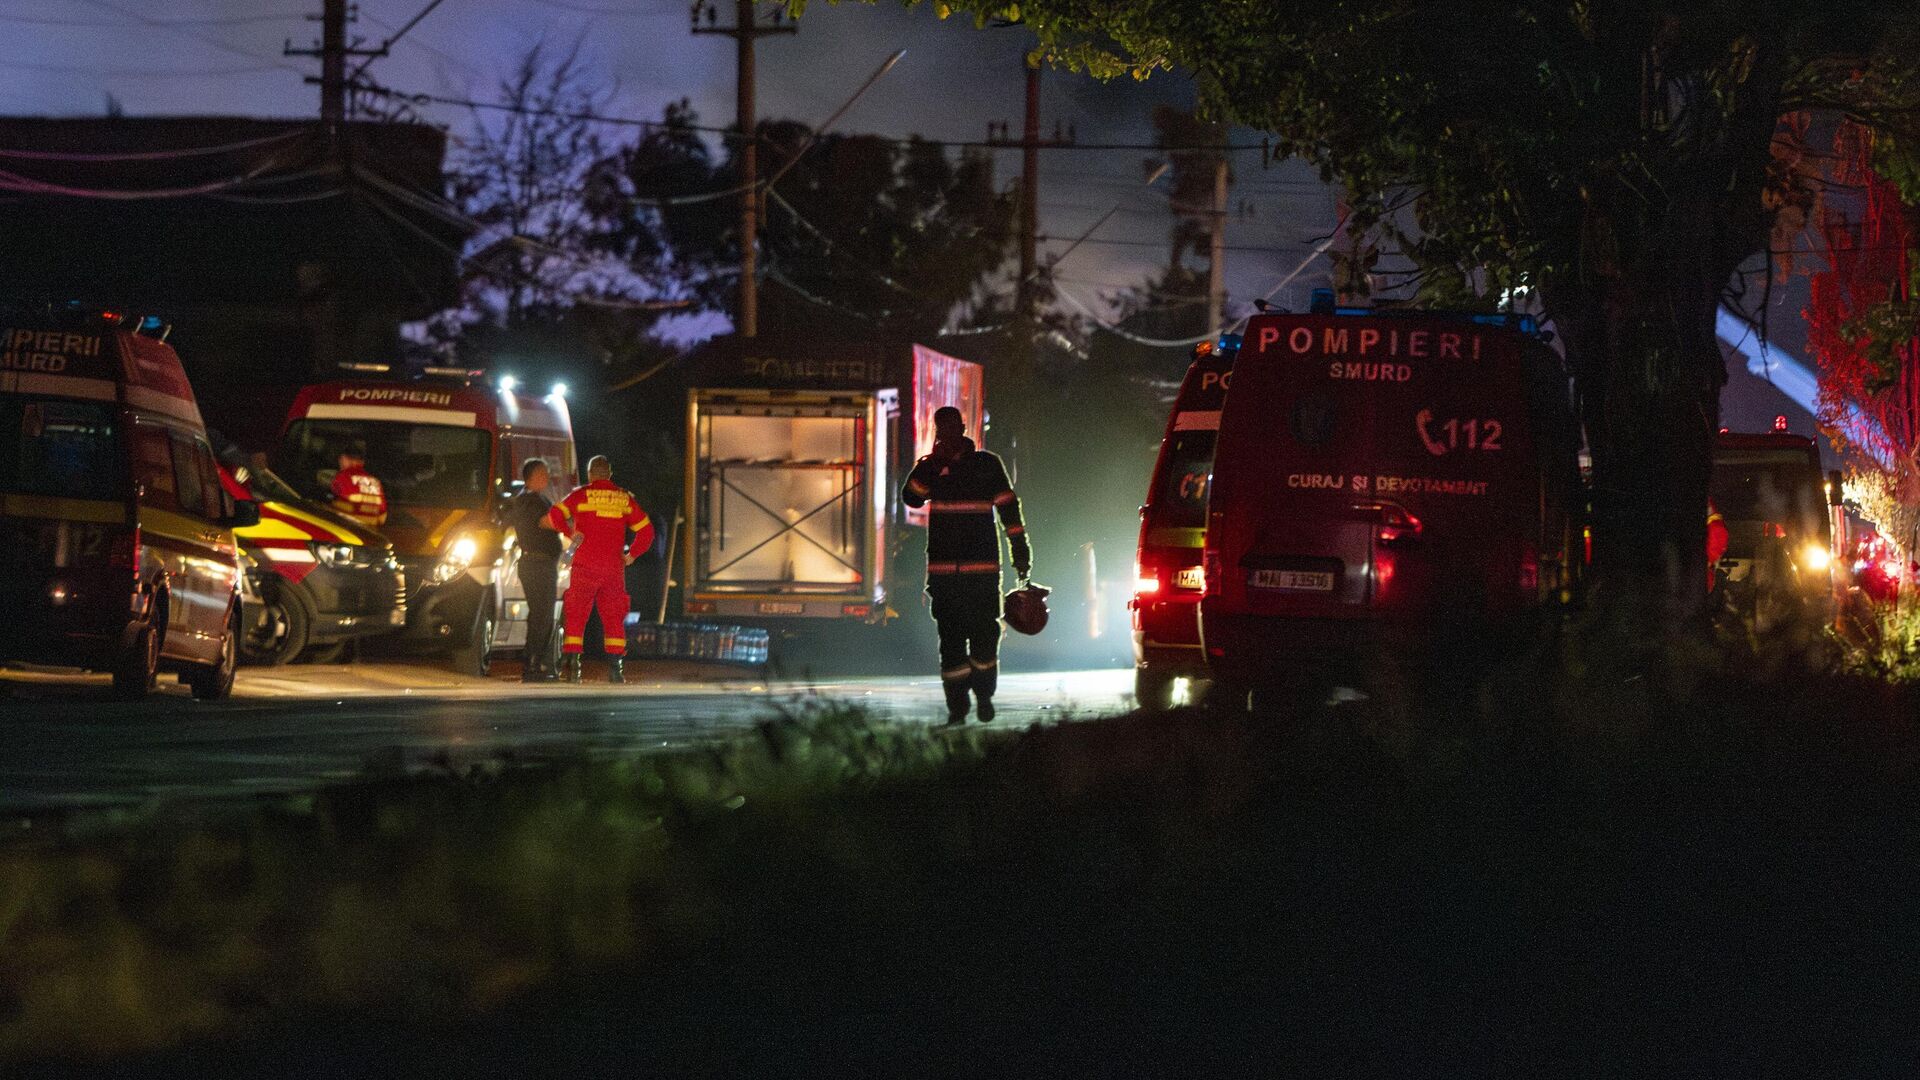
1885, 643
1863, 323
1613, 155
859, 231
1448, 879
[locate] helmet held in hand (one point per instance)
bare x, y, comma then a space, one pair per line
1026, 608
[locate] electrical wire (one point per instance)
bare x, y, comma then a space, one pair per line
211, 20
97, 72
387, 45
182, 31
10, 181
152, 155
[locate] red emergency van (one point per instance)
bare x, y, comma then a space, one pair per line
1385, 478
448, 450
1173, 529
119, 535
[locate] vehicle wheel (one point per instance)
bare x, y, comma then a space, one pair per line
276, 630
476, 656
325, 654
213, 682
137, 669
1152, 689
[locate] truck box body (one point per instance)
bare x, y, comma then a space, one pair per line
796, 452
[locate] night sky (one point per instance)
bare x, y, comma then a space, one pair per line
185, 56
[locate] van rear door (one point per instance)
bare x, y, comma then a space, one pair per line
1374, 468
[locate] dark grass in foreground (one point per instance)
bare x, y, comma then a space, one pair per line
1673, 869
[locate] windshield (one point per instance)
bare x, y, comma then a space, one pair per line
1181, 500
266, 486
69, 449
429, 465
1788, 493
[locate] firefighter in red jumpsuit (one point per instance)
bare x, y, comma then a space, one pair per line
356, 492
599, 515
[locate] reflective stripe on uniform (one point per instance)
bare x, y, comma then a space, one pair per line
964, 567
960, 506
983, 665
573, 640
954, 674
1003, 498
1016, 530
917, 487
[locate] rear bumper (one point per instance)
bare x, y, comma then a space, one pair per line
1260, 649
87, 635
798, 608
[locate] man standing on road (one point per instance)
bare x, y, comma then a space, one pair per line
964, 489
600, 515
539, 566
356, 492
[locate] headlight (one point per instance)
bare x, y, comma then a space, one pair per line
455, 560
1816, 558
332, 554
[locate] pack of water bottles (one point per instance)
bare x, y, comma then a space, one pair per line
697, 641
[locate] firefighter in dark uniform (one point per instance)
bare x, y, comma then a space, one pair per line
965, 490
539, 566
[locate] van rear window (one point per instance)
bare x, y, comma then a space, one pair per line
65, 449
1181, 502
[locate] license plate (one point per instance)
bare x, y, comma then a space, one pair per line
1189, 578
1304, 580
782, 607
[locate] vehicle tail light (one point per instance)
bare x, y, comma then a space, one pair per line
1774, 530
1529, 569
700, 607
1586, 544
125, 553
1146, 580
856, 611
1397, 524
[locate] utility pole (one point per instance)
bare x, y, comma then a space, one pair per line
333, 51
1217, 249
746, 320
1030, 144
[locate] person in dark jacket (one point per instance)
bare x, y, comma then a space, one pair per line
539, 566
964, 491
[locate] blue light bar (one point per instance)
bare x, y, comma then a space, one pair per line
1227, 343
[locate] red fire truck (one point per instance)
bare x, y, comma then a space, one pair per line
796, 450
447, 449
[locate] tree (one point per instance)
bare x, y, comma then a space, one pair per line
1612, 155
860, 232
1863, 323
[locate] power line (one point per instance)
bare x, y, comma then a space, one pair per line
122, 73
387, 45
1162, 243
179, 30
151, 155
211, 20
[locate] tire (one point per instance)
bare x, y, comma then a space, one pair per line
214, 682
1152, 689
135, 673
277, 632
476, 656
331, 653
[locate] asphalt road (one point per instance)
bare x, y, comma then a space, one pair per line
65, 745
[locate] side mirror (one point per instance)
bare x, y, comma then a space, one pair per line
245, 515
1835, 483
